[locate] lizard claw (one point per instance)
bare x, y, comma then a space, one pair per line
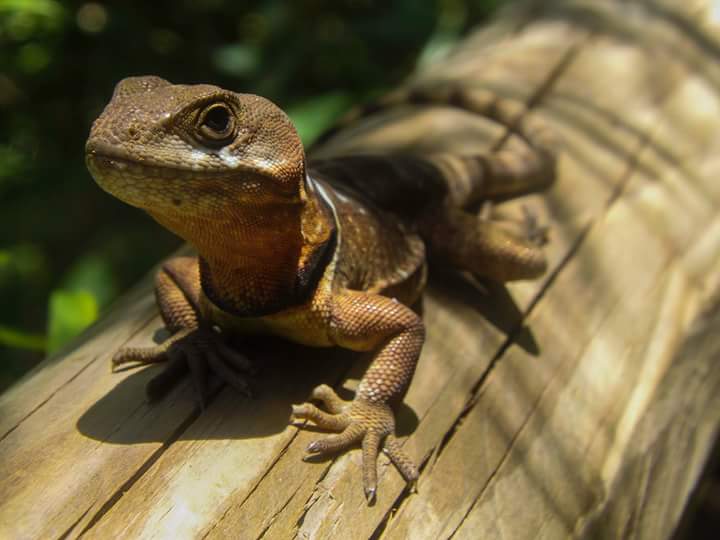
197, 351
535, 233
371, 424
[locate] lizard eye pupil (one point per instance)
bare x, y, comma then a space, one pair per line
217, 119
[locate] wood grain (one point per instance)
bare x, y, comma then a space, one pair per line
584, 404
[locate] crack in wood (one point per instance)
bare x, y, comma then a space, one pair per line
553, 76
311, 500
400, 499
267, 471
67, 382
149, 462
508, 450
616, 194
43, 402
533, 102
542, 90
341, 377
70, 529
631, 168
271, 521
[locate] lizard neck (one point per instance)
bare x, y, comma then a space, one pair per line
257, 261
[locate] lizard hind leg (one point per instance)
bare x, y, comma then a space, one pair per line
482, 246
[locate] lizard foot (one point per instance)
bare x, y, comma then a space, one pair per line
360, 420
195, 350
524, 224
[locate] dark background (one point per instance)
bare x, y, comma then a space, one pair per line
67, 249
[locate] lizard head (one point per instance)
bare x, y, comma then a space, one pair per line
224, 171
185, 152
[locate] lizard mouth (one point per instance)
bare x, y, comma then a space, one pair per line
106, 157
128, 176
102, 165
100, 150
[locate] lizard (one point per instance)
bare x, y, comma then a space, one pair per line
331, 252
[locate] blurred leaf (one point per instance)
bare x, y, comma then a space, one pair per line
12, 161
21, 19
91, 274
70, 312
236, 59
10, 337
23, 261
45, 8
311, 117
87, 286
33, 58
452, 17
164, 41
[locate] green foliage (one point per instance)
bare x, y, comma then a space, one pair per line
91, 274
312, 116
66, 248
23, 261
87, 286
237, 59
10, 337
69, 313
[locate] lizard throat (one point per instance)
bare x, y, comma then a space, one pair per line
262, 264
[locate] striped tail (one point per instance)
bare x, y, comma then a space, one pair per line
497, 174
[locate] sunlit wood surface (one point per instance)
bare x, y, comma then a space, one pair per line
582, 404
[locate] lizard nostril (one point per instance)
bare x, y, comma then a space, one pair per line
133, 133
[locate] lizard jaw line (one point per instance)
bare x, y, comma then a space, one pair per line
105, 157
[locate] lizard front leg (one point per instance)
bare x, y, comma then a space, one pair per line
193, 346
367, 322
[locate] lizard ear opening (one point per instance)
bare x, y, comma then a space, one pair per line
136, 85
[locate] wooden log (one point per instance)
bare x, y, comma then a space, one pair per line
582, 404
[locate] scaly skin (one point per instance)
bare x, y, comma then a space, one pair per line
330, 255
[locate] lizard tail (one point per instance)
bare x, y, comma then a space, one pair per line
498, 174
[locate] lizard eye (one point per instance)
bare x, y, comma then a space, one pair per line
217, 124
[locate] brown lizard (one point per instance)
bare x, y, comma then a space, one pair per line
330, 254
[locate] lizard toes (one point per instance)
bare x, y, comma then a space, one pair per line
138, 355
308, 411
163, 382
401, 460
336, 442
